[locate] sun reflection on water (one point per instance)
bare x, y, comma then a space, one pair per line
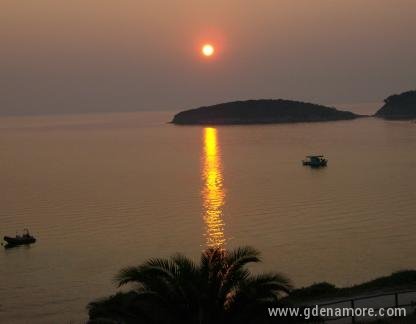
213, 191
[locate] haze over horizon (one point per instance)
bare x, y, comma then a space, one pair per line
89, 56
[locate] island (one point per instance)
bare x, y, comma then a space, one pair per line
399, 107
263, 111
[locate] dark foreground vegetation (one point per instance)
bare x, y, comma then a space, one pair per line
402, 106
219, 289
264, 111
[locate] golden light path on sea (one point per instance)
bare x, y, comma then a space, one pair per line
213, 194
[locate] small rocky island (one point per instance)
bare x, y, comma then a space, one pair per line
402, 106
264, 111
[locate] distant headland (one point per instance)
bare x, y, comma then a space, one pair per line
263, 111
402, 106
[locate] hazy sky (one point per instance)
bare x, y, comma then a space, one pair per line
108, 55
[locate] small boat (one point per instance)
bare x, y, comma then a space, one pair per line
26, 238
315, 161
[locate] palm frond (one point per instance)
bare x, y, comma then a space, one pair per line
242, 256
184, 265
141, 275
274, 281
234, 270
212, 258
264, 287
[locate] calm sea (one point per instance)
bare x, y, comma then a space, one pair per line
103, 191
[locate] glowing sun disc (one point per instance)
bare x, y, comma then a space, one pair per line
207, 50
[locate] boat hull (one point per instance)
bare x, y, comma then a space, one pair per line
19, 241
315, 165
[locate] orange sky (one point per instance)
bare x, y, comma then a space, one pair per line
102, 55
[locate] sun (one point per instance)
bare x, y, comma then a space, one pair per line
207, 50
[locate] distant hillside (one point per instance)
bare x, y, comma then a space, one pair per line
264, 111
402, 106
401, 280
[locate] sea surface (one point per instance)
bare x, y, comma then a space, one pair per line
103, 191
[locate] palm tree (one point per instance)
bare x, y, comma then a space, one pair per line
220, 289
